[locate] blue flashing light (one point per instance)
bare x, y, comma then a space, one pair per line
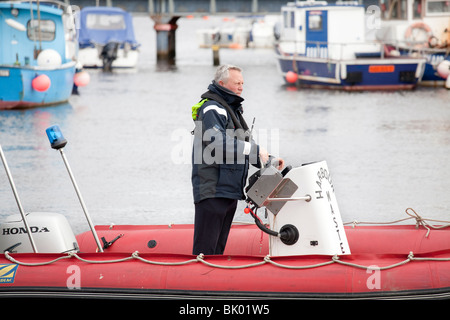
55, 137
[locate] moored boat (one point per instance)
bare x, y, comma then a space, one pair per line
37, 60
420, 28
107, 38
324, 45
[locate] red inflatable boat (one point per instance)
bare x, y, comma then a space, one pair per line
304, 252
393, 262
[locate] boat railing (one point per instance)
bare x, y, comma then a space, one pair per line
57, 3
331, 50
348, 50
416, 47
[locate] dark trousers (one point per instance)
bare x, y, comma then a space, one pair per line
213, 218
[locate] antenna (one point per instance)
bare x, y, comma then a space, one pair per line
16, 195
58, 142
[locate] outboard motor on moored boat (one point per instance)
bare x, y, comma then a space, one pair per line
109, 54
302, 206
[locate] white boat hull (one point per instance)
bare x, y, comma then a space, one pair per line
89, 57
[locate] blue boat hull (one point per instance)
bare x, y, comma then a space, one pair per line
16, 90
358, 74
430, 74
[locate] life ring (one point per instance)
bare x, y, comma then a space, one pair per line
422, 26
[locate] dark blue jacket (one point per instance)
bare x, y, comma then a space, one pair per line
222, 147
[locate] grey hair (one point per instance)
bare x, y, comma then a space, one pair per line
222, 72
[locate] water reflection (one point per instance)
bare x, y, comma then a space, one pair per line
386, 151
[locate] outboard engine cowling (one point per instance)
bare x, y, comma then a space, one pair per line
109, 54
51, 234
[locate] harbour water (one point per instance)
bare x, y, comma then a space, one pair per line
129, 137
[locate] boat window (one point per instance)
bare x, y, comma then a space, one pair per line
438, 7
285, 19
288, 19
47, 30
394, 9
417, 9
315, 22
105, 21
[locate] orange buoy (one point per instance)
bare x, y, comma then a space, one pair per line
81, 78
291, 77
41, 83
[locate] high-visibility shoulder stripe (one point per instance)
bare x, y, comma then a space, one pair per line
215, 108
247, 148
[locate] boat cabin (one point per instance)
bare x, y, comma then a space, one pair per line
100, 25
418, 23
317, 29
413, 9
24, 33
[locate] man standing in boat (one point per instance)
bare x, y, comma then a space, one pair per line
222, 152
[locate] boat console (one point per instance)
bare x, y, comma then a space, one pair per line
300, 203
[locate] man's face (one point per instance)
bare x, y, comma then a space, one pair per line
234, 83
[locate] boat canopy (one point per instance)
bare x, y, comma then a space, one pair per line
23, 35
101, 25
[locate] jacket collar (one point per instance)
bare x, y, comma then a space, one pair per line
230, 97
